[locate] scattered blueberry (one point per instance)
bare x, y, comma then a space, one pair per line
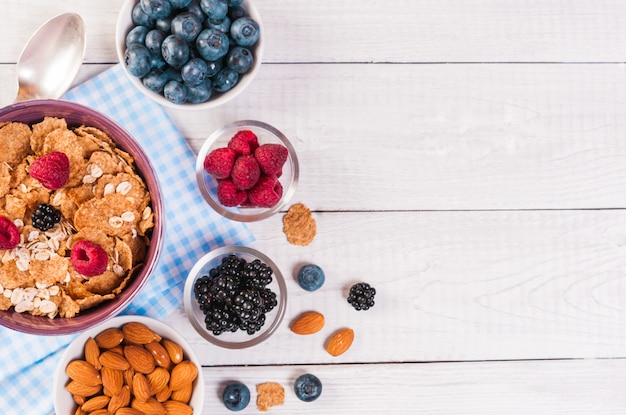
225, 80
308, 387
311, 277
175, 51
186, 25
244, 31
239, 59
236, 396
361, 296
212, 44
137, 60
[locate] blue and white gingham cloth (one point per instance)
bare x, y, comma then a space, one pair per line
28, 362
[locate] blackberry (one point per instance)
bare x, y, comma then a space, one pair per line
45, 217
234, 295
361, 296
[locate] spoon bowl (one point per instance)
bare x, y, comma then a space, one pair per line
50, 60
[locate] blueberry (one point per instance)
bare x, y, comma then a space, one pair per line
141, 18
311, 277
175, 91
173, 74
215, 9
239, 59
235, 12
180, 4
236, 396
308, 387
199, 93
164, 24
175, 51
155, 80
137, 60
225, 80
194, 71
221, 25
212, 44
213, 67
156, 9
157, 61
194, 8
232, 3
244, 31
137, 35
187, 26
154, 39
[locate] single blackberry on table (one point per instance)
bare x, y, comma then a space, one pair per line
361, 296
44, 217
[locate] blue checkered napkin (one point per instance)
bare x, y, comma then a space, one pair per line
27, 363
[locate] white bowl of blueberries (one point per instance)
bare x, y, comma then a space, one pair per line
190, 54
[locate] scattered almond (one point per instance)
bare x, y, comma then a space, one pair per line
308, 323
340, 342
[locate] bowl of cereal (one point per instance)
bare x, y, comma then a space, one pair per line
81, 217
247, 170
190, 54
151, 353
235, 297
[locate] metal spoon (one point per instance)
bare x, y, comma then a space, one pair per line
50, 60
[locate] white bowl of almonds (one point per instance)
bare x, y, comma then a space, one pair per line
129, 362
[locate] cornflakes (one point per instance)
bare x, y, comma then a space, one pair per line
104, 201
299, 226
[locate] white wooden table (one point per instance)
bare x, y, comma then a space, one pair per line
468, 159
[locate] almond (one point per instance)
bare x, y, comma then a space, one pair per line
99, 412
151, 406
139, 333
120, 400
340, 342
158, 379
109, 338
95, 403
141, 387
163, 395
128, 378
83, 372
80, 389
183, 373
308, 323
113, 360
112, 380
177, 408
92, 353
139, 358
183, 394
173, 350
161, 357
128, 411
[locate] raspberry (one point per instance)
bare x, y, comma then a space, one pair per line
9, 234
245, 172
229, 195
52, 170
219, 162
266, 193
88, 258
244, 142
271, 158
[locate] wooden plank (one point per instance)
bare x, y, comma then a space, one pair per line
451, 286
482, 388
379, 31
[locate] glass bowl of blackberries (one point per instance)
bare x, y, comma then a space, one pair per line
190, 54
235, 297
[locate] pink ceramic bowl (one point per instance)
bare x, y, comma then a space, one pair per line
30, 112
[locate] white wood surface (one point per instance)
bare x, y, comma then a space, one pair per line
467, 159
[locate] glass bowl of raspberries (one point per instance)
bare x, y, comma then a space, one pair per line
247, 170
235, 297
